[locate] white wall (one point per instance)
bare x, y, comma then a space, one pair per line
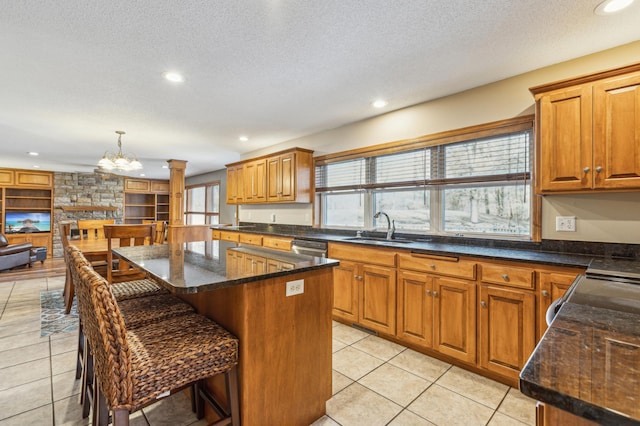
598, 215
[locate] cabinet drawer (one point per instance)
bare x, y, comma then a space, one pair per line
277, 243
442, 265
508, 275
215, 235
253, 239
229, 236
358, 253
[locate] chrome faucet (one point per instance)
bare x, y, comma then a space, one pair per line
391, 224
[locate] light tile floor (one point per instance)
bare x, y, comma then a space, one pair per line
375, 382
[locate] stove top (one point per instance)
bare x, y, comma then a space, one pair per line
607, 292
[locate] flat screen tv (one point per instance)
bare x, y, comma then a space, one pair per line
27, 222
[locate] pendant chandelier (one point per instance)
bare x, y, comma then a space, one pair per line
119, 161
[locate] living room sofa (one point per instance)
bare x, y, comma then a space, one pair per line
13, 255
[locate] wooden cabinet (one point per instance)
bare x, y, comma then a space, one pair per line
437, 312
548, 415
145, 200
552, 286
233, 237
27, 195
283, 177
506, 329
588, 132
255, 184
252, 239
235, 184
364, 286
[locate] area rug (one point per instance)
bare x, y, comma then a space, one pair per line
52, 316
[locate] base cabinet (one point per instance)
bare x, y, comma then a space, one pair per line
345, 291
552, 286
377, 295
548, 415
507, 329
438, 313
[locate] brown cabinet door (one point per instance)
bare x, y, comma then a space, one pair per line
249, 182
565, 140
6, 177
260, 181
287, 177
552, 286
273, 179
454, 310
617, 132
377, 308
232, 190
415, 308
345, 291
507, 329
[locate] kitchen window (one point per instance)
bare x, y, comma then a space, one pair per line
467, 183
202, 204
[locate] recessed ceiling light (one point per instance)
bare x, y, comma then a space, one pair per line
142, 175
174, 77
380, 103
609, 7
165, 167
35, 154
36, 167
243, 138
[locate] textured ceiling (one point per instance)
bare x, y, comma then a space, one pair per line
73, 72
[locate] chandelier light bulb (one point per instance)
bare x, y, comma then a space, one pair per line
119, 161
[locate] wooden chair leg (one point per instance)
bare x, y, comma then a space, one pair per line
100, 407
80, 360
69, 291
121, 417
87, 390
231, 380
198, 400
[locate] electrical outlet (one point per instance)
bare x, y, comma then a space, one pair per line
273, 217
295, 287
566, 223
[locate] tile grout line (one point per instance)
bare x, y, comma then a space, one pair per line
4, 307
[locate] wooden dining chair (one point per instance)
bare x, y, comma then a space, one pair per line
127, 235
90, 228
161, 230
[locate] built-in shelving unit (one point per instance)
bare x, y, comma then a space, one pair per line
145, 200
24, 191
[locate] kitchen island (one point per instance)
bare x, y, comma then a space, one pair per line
277, 303
588, 362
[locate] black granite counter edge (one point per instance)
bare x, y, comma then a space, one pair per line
243, 280
548, 252
573, 405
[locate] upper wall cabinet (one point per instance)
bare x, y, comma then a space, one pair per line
282, 177
589, 132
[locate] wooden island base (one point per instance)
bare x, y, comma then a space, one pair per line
285, 346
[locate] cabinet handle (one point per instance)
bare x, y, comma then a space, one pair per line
545, 293
429, 292
435, 293
483, 303
598, 169
586, 169
432, 266
505, 277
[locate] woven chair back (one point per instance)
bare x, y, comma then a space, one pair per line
104, 327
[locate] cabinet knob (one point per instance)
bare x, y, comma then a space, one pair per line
545, 293
599, 169
483, 303
429, 292
432, 266
435, 293
505, 277
586, 169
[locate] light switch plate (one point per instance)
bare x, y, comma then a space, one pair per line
566, 223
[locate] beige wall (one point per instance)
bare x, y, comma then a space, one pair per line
596, 220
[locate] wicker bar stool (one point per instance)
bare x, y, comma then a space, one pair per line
140, 305
135, 368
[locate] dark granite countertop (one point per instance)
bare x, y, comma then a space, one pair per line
588, 361
202, 266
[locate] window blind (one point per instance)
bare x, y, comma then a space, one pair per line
497, 158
